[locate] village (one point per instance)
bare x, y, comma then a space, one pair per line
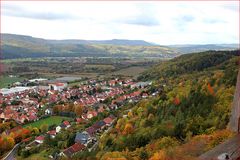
81, 104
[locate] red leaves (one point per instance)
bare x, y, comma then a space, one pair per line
176, 101
210, 89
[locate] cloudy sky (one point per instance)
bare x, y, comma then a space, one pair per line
159, 22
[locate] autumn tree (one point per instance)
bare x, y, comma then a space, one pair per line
128, 129
44, 128
35, 131
6, 143
78, 110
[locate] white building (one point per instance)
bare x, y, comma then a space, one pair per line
57, 86
13, 90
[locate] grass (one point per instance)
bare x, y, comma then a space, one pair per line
6, 80
130, 71
43, 155
50, 121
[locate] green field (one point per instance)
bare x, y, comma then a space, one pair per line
6, 80
130, 71
50, 121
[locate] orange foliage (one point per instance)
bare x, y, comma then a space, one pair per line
176, 101
128, 129
161, 155
6, 143
210, 89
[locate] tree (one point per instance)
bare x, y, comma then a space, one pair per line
161, 155
128, 129
7, 143
210, 89
25, 133
120, 124
130, 114
78, 110
143, 155
35, 130
44, 128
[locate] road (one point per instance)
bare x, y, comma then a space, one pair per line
12, 153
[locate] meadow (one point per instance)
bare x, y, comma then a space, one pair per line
6, 80
50, 121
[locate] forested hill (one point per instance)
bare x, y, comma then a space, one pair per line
189, 63
188, 117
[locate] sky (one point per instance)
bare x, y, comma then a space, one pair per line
160, 22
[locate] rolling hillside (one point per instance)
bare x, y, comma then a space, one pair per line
19, 46
204, 47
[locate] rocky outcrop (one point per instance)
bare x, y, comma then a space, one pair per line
234, 123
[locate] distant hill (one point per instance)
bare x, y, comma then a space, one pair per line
204, 47
110, 42
20, 46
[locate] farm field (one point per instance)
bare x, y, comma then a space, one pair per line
6, 80
130, 71
50, 121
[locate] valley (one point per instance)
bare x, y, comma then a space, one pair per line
129, 108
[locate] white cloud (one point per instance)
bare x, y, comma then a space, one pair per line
160, 22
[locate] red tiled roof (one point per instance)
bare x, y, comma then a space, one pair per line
52, 132
66, 123
77, 147
26, 139
40, 138
108, 120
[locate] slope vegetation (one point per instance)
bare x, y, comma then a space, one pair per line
188, 117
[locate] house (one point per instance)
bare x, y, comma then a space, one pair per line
91, 114
57, 86
82, 138
65, 124
101, 109
98, 126
52, 133
32, 118
58, 129
80, 120
112, 83
48, 111
72, 150
144, 95
39, 139
108, 121
91, 131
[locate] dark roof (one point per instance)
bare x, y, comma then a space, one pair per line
81, 138
98, 125
101, 123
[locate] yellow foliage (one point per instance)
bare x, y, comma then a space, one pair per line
161, 155
113, 156
128, 129
130, 114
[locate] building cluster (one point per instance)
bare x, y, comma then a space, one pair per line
28, 104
